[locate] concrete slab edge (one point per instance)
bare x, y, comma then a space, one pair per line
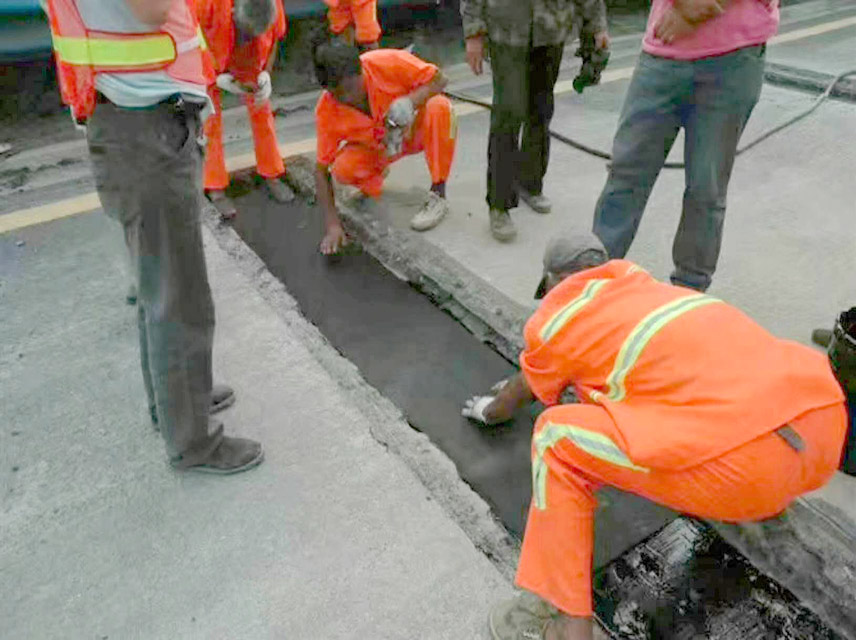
811, 552
809, 81
389, 426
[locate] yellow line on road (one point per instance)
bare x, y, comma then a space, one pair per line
89, 201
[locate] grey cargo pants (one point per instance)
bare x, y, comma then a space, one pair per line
147, 165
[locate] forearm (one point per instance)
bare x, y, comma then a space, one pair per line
326, 197
424, 93
513, 396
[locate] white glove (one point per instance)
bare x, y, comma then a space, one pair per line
474, 408
227, 82
394, 141
401, 114
262, 94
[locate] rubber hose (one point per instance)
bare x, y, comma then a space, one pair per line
680, 165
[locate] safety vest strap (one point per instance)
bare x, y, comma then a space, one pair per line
128, 52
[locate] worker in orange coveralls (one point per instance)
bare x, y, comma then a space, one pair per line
243, 36
354, 21
685, 401
378, 107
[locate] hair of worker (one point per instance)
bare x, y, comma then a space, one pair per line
254, 17
334, 61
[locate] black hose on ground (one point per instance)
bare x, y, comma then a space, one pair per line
679, 165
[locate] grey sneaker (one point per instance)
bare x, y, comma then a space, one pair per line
224, 205
524, 618
279, 190
538, 202
431, 213
233, 455
501, 225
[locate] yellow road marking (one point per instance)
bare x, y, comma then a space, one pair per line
89, 202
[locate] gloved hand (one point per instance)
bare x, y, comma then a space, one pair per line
227, 82
262, 94
394, 141
474, 408
401, 114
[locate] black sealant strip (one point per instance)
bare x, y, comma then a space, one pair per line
424, 361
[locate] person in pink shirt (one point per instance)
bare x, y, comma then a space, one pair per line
701, 69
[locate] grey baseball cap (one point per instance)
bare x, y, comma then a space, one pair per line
569, 253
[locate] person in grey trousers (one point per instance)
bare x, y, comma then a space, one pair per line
144, 140
701, 70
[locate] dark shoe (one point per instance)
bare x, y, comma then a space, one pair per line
233, 455
538, 202
224, 205
822, 337
222, 397
501, 225
279, 190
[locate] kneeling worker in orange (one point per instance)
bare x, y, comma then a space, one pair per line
243, 36
354, 21
376, 108
685, 401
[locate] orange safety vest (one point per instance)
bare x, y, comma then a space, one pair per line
684, 376
178, 48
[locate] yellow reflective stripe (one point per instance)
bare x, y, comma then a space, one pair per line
125, 52
593, 443
641, 335
564, 315
203, 44
635, 268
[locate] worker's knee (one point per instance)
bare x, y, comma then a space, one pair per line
438, 106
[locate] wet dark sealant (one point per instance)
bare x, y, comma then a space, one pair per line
424, 361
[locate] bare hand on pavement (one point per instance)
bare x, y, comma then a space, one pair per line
474, 408
334, 241
601, 39
475, 54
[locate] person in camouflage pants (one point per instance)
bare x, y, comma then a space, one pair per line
525, 40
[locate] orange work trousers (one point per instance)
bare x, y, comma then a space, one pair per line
269, 162
434, 131
362, 14
574, 454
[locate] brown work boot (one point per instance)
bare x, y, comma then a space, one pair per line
224, 205
233, 455
279, 190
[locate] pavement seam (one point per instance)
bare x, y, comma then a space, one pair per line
389, 427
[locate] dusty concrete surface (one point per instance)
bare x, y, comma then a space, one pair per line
332, 537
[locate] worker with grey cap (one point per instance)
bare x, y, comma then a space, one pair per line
684, 400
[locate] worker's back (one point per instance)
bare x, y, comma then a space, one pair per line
685, 377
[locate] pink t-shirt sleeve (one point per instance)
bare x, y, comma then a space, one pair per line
745, 23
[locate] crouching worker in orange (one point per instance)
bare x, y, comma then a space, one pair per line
354, 21
685, 401
243, 36
376, 108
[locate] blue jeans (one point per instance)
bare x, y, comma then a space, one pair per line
712, 100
